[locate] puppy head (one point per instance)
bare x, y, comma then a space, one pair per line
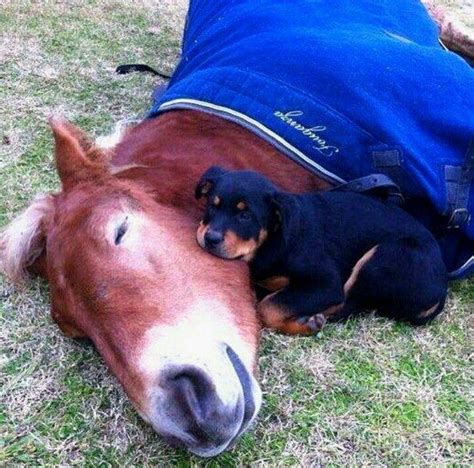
239, 212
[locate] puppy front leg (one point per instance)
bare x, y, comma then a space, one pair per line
298, 312
276, 316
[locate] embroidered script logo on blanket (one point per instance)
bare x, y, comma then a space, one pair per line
311, 132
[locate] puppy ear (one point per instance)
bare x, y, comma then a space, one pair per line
284, 210
208, 180
274, 211
276, 214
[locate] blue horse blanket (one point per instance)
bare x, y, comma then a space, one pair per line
346, 88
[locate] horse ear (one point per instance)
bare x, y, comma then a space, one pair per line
72, 148
208, 180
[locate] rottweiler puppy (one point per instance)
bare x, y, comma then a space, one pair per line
322, 256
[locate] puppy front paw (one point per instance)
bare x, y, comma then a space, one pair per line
277, 317
314, 322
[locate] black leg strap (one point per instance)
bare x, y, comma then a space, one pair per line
141, 68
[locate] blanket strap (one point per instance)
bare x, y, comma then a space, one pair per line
458, 185
375, 184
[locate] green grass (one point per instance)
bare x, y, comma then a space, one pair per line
368, 392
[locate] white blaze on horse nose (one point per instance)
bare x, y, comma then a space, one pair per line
199, 394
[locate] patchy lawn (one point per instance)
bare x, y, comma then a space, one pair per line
369, 392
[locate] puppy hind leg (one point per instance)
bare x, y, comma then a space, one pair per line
352, 288
426, 316
404, 279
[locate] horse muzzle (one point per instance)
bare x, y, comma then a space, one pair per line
195, 414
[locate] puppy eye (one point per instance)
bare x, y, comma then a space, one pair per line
120, 232
244, 215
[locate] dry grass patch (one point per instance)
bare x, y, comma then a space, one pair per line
369, 392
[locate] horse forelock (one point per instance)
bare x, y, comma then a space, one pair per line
23, 240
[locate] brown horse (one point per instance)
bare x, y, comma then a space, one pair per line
175, 325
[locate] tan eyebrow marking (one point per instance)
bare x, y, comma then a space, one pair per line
216, 201
241, 205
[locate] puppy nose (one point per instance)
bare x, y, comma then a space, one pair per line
213, 238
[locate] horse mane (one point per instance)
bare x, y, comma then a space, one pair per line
23, 240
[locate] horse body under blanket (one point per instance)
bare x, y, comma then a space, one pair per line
176, 326
346, 89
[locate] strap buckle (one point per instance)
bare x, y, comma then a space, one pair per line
459, 217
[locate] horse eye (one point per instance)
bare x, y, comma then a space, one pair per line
120, 232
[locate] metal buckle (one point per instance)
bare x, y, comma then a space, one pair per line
459, 217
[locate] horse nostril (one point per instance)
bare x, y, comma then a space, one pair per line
213, 238
193, 391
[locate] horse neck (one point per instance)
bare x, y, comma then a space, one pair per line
169, 153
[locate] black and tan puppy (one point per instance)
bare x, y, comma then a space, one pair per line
324, 255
